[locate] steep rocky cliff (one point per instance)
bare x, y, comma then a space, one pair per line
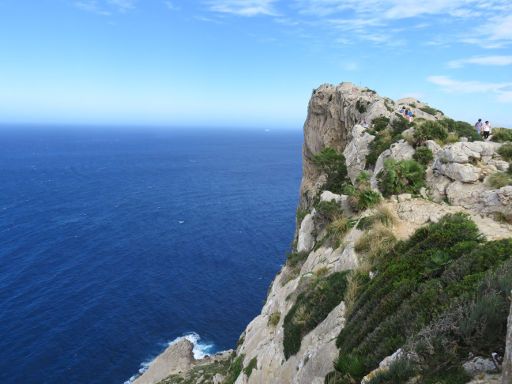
402, 243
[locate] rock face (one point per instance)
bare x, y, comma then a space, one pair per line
338, 118
177, 358
333, 113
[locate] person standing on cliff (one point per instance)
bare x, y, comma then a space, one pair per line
486, 129
478, 126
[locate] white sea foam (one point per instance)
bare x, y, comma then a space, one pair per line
200, 351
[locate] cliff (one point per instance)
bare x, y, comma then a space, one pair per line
401, 266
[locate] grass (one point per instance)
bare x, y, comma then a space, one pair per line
251, 366
430, 110
442, 294
499, 179
501, 135
505, 151
311, 307
206, 371
382, 215
337, 229
274, 318
294, 262
375, 242
234, 370
404, 176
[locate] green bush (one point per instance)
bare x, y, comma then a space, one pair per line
423, 155
405, 176
499, 179
333, 165
400, 124
430, 130
501, 134
441, 294
234, 370
328, 210
367, 198
274, 318
399, 372
361, 106
311, 308
505, 151
430, 110
461, 129
252, 365
380, 123
383, 140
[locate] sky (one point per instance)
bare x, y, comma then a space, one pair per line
252, 63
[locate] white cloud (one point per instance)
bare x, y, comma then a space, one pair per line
171, 6
105, 7
243, 7
482, 60
503, 91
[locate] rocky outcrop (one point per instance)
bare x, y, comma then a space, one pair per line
338, 117
333, 113
177, 358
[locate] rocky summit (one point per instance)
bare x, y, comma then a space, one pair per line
401, 267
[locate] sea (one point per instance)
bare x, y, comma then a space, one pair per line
116, 241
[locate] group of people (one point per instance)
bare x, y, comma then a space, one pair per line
407, 113
483, 129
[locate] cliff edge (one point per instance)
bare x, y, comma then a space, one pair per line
401, 268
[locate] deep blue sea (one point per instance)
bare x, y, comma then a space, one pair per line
115, 242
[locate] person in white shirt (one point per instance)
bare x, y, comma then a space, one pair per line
486, 128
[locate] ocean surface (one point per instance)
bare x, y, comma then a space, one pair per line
115, 242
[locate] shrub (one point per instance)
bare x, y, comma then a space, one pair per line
430, 130
338, 228
311, 308
252, 365
382, 141
499, 179
274, 318
423, 155
367, 198
461, 129
234, 370
294, 263
405, 176
430, 110
380, 123
361, 106
382, 215
501, 134
399, 124
445, 288
505, 151
333, 165
400, 371
328, 210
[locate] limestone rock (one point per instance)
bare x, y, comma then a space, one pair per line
465, 173
479, 365
356, 151
177, 358
306, 239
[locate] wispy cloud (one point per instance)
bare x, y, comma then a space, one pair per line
503, 91
170, 5
246, 8
105, 7
482, 60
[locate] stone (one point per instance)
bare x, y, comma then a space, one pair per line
479, 365
306, 238
218, 379
465, 173
356, 151
177, 358
398, 151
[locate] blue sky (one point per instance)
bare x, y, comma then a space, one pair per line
249, 63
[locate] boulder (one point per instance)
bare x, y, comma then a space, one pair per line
465, 173
356, 151
479, 365
306, 238
398, 151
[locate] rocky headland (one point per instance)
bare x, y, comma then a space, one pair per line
401, 267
